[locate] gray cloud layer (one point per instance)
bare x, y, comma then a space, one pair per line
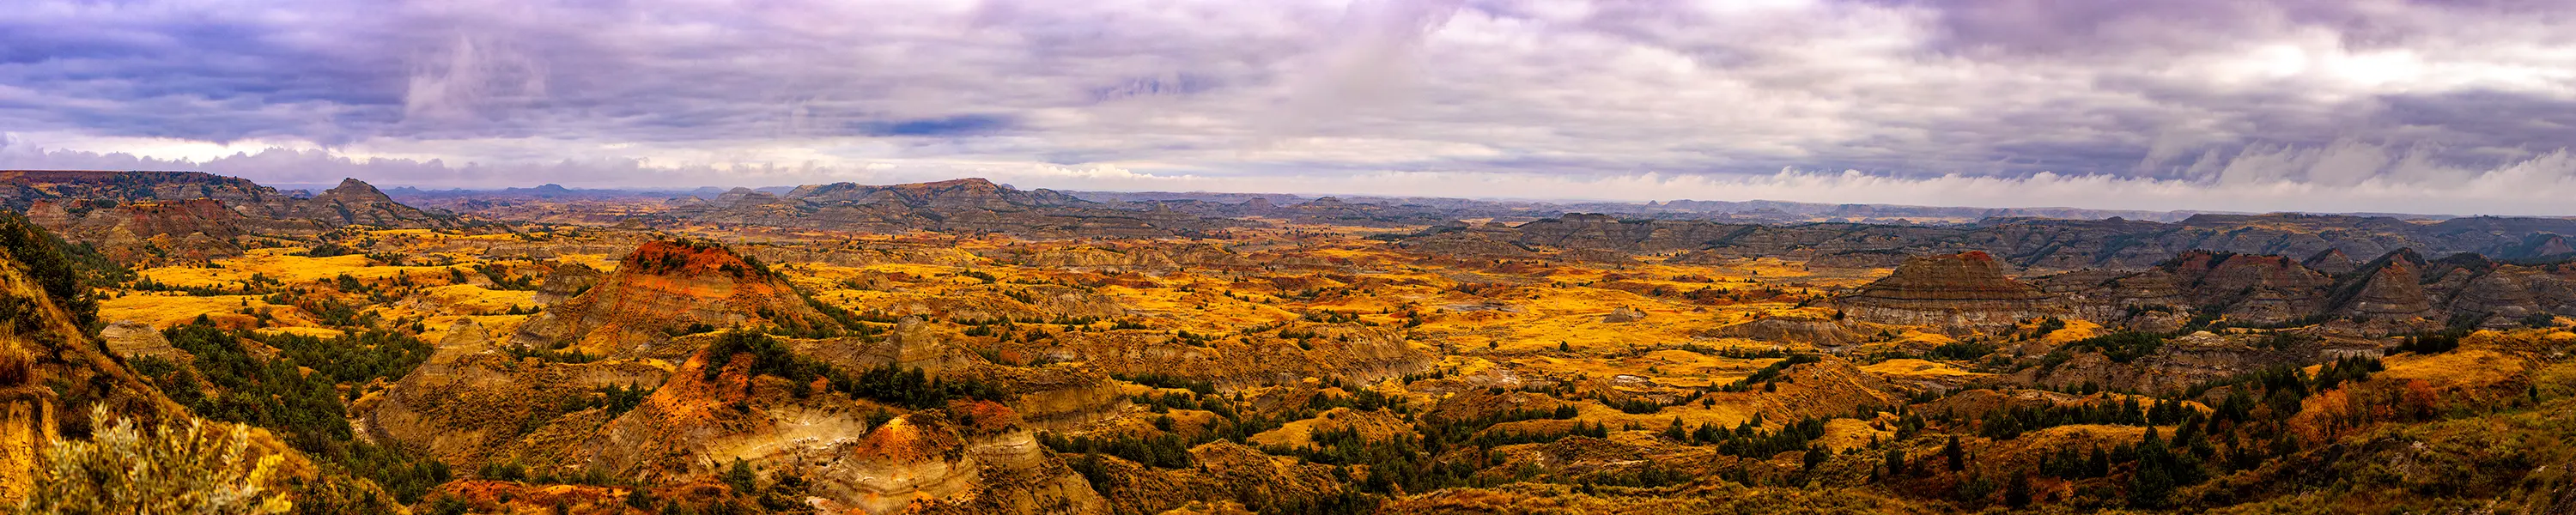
2373, 105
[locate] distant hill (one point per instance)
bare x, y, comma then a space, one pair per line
193, 215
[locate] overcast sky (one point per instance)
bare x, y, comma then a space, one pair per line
2463, 107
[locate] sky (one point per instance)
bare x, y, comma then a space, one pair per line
2418, 106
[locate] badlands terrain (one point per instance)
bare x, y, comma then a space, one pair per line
969, 347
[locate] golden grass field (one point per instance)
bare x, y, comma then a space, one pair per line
1554, 323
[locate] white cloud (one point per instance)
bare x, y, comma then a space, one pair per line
2265, 180
2199, 103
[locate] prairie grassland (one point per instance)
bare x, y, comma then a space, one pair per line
602, 262
2463, 368
162, 309
472, 299
1300, 433
1909, 367
495, 327
1844, 434
274, 264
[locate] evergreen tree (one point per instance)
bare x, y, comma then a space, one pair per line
1895, 462
2017, 495
1958, 455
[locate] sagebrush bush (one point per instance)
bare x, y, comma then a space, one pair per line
196, 467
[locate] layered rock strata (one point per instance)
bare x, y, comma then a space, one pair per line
1959, 291
664, 288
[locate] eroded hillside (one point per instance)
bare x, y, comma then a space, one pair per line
1289, 366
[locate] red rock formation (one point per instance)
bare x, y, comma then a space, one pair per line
663, 287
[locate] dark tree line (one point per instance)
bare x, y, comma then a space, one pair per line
226, 382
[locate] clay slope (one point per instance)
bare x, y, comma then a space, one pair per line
2390, 287
668, 287
2245, 289
472, 404
2180, 362
852, 454
1959, 291
355, 202
197, 229
2394, 292
2331, 262
2264, 289
1468, 243
1224, 470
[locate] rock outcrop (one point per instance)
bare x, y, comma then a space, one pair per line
2331, 262
2181, 362
130, 340
2387, 288
193, 215
853, 454
355, 202
145, 231
666, 287
566, 281
2260, 289
472, 404
1958, 291
1225, 469
2398, 291
1468, 243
